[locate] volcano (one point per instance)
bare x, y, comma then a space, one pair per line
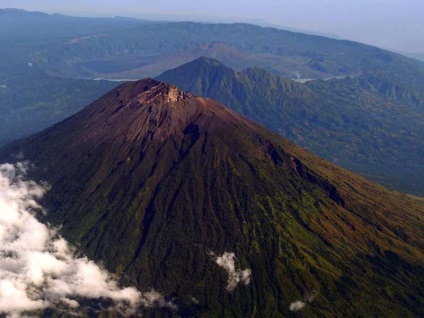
178, 193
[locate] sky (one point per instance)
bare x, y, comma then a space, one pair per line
392, 24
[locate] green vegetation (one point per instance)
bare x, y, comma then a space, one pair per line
372, 124
31, 101
30, 98
151, 188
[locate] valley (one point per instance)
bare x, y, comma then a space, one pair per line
370, 123
203, 169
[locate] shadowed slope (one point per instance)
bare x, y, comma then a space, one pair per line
150, 180
371, 124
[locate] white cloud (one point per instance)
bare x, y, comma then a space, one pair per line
235, 277
297, 305
154, 299
38, 268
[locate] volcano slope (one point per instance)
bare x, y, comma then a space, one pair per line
153, 182
372, 124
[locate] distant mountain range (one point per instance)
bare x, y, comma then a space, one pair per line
129, 48
417, 56
149, 49
366, 116
176, 192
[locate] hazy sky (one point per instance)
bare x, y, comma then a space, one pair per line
396, 24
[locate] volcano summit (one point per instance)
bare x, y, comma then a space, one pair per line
178, 193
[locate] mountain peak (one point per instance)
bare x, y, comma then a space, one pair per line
144, 109
208, 60
150, 181
164, 93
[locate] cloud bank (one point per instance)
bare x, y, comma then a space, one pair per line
300, 304
38, 268
235, 277
297, 305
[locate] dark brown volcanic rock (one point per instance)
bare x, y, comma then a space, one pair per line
149, 180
